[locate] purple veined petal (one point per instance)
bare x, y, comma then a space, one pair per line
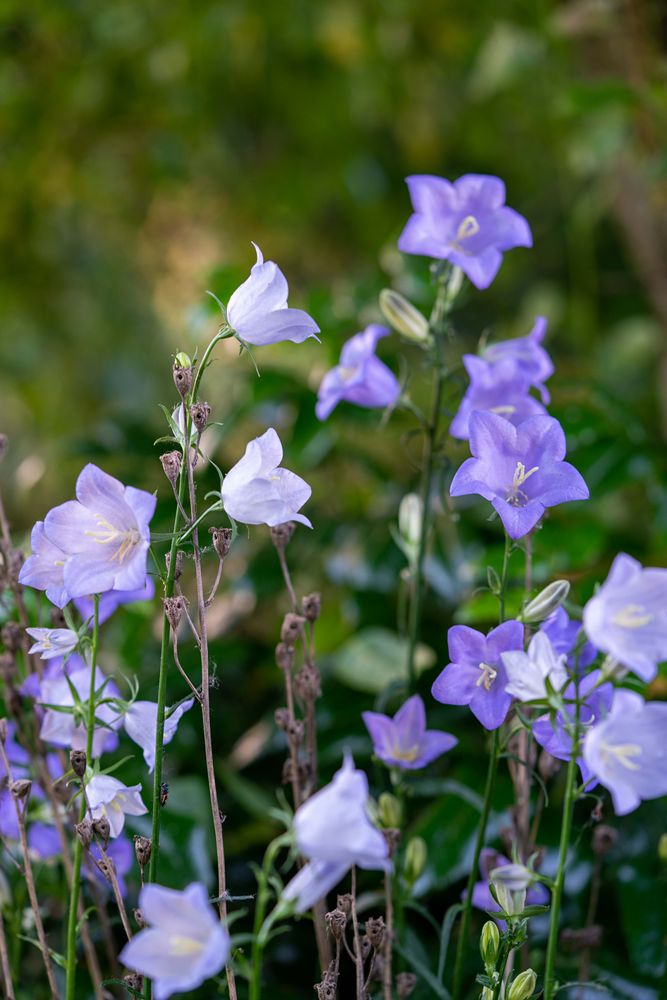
490, 433
292, 489
480, 269
132, 576
418, 237
562, 485
381, 730
430, 194
379, 388
52, 642
543, 435
490, 708
518, 521
468, 479
313, 882
456, 684
265, 290
511, 230
143, 505
113, 599
83, 577
433, 744
410, 721
466, 644
273, 327
262, 455
43, 570
484, 189
507, 635
362, 346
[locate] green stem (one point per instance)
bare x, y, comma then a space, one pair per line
78, 846
260, 934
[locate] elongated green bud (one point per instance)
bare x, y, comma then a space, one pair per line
403, 316
410, 517
389, 811
416, 855
546, 602
489, 944
523, 986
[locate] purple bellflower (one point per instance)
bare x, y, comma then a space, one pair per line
360, 377
520, 470
19, 760
491, 861
258, 312
466, 223
61, 728
627, 751
476, 676
526, 355
257, 491
404, 741
563, 633
528, 672
113, 599
627, 618
496, 387
334, 832
43, 570
183, 944
103, 536
52, 642
140, 722
107, 796
595, 705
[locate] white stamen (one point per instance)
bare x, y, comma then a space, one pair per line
632, 616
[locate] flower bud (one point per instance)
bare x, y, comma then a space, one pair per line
410, 517
182, 360
403, 316
171, 465
487, 994
612, 669
489, 944
389, 810
523, 986
222, 541
662, 848
514, 877
78, 762
546, 602
199, 413
416, 856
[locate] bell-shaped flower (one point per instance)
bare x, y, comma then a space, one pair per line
257, 491
627, 751
527, 673
564, 633
183, 943
103, 534
526, 355
61, 727
627, 617
109, 797
476, 676
520, 470
404, 741
466, 223
52, 642
258, 312
334, 832
140, 722
496, 387
360, 377
44, 569
114, 599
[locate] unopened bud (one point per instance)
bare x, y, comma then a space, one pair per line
416, 856
12, 635
403, 316
375, 931
612, 669
182, 376
489, 944
78, 762
291, 627
84, 832
662, 848
222, 541
523, 986
174, 609
281, 534
487, 993
102, 829
171, 465
410, 518
546, 602
389, 810
336, 921
142, 850
20, 788
405, 984
311, 605
199, 413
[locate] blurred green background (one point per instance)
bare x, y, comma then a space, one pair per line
145, 145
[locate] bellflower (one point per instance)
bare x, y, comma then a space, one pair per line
595, 705
113, 599
528, 672
334, 832
496, 387
466, 223
476, 676
52, 642
103, 534
19, 760
61, 728
360, 378
258, 311
627, 751
257, 491
526, 356
404, 741
43, 570
627, 618
564, 632
183, 944
140, 722
107, 796
520, 470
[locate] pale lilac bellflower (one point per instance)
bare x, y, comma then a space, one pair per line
466, 223
565, 634
526, 356
627, 617
114, 599
258, 312
257, 491
109, 797
360, 377
595, 703
404, 741
43, 569
495, 387
183, 943
334, 832
528, 672
476, 676
61, 728
492, 861
520, 470
627, 751
140, 722
52, 642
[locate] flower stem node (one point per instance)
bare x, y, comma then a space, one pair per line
78, 762
171, 465
546, 602
489, 945
403, 316
523, 986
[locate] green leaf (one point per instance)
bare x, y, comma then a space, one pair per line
375, 658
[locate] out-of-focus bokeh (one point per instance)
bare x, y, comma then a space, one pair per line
145, 145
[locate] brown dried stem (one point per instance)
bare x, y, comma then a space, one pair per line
358, 958
4, 962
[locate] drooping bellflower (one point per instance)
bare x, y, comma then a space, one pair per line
334, 832
257, 491
627, 617
258, 312
183, 943
140, 723
44, 568
465, 222
476, 675
107, 796
404, 741
520, 470
52, 642
564, 634
360, 377
528, 672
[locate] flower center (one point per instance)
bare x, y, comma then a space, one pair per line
487, 676
468, 227
502, 411
409, 755
179, 944
623, 752
517, 497
346, 372
632, 616
109, 535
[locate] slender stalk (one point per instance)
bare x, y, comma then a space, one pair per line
258, 935
557, 895
4, 962
78, 847
358, 960
387, 992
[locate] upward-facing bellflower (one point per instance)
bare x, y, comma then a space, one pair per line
360, 378
519, 469
466, 223
258, 311
257, 491
404, 741
526, 355
496, 387
334, 832
627, 618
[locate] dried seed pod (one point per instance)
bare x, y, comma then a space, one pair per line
405, 984
102, 830
311, 605
284, 656
336, 921
604, 838
3, 731
308, 684
78, 762
174, 609
302, 772
344, 903
282, 533
366, 947
138, 917
281, 716
84, 831
171, 463
20, 788
107, 867
178, 565
142, 849
134, 981
182, 379
291, 627
222, 540
375, 931
200, 412
12, 636
296, 730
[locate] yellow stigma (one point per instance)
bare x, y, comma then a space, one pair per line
487, 676
632, 616
408, 755
515, 495
179, 944
108, 535
623, 752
